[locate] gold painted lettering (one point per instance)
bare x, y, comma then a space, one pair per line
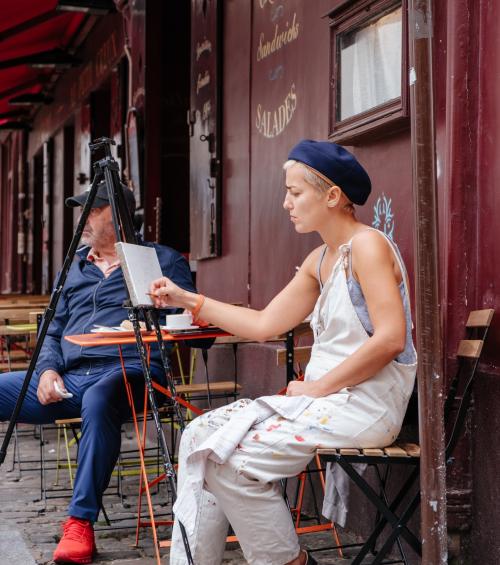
205, 45
280, 39
271, 123
202, 81
207, 109
258, 119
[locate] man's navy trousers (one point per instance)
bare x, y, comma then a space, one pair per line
99, 397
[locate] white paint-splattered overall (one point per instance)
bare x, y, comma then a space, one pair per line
231, 459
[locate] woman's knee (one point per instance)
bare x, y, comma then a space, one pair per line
205, 425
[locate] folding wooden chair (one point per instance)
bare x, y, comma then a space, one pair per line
469, 351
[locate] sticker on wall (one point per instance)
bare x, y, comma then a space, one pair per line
383, 217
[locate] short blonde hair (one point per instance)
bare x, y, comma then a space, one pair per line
318, 182
309, 175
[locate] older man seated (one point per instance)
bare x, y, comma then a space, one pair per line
93, 294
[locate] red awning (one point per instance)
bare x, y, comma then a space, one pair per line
30, 27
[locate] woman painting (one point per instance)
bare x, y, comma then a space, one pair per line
356, 385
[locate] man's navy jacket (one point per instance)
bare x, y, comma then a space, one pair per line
89, 298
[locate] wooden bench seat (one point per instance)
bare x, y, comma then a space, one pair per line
78, 420
392, 451
301, 354
19, 315
14, 366
215, 387
67, 421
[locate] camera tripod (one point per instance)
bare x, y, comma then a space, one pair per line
107, 169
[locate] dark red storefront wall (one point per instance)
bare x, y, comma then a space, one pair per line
486, 461
260, 248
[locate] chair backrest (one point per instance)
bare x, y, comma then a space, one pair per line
23, 299
15, 315
469, 352
301, 354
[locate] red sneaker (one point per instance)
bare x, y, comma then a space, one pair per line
77, 544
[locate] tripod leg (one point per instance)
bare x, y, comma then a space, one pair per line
167, 462
167, 367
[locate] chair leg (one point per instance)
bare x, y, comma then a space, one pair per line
16, 455
299, 497
398, 530
68, 456
387, 513
393, 507
323, 486
315, 501
383, 482
104, 513
58, 456
120, 479
43, 493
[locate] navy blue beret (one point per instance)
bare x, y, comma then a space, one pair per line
336, 164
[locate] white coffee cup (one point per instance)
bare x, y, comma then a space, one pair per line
179, 321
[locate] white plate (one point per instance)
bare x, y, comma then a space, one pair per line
107, 329
182, 329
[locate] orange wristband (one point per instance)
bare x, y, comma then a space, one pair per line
196, 310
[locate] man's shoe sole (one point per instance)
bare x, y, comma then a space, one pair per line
81, 561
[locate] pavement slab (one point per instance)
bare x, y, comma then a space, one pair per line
13, 548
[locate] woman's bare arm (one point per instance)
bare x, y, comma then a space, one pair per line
287, 309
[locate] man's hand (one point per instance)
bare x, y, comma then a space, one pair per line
46, 392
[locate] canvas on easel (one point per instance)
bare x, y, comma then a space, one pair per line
140, 267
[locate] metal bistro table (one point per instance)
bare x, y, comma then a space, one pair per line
125, 338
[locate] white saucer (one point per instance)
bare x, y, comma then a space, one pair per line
107, 329
181, 329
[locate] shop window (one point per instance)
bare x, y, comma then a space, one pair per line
369, 69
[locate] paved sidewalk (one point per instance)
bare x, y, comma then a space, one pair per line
30, 527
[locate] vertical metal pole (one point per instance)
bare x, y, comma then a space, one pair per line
429, 336
289, 356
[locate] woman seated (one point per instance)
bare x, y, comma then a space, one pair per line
356, 385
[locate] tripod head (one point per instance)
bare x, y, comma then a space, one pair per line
102, 142
107, 169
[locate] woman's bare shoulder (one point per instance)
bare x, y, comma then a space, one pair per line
370, 241
371, 253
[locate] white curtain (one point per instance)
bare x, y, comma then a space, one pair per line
370, 65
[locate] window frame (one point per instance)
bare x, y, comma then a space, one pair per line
388, 117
